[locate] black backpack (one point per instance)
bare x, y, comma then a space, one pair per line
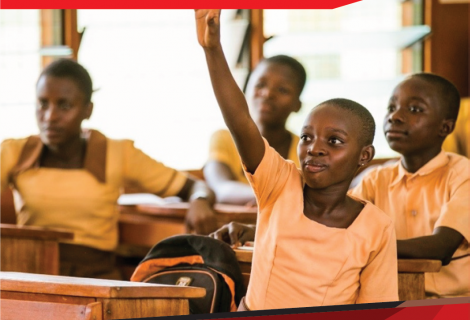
196, 261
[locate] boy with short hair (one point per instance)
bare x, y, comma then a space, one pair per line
427, 192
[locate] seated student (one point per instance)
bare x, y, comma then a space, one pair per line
427, 192
273, 93
314, 244
70, 178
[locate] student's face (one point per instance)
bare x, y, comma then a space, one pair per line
272, 94
60, 110
414, 121
330, 150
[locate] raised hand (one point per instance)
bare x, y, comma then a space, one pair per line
208, 27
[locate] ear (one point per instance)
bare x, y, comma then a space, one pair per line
367, 154
298, 105
88, 110
447, 126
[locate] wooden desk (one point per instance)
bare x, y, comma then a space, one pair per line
34, 296
410, 274
145, 225
31, 249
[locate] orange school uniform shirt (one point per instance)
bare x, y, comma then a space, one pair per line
437, 195
298, 262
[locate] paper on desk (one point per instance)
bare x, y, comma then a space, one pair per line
139, 199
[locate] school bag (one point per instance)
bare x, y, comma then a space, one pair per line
196, 261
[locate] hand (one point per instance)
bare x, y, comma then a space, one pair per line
200, 217
235, 234
251, 204
208, 27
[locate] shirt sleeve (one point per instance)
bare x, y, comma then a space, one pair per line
366, 188
379, 279
455, 213
271, 176
9, 153
151, 175
223, 149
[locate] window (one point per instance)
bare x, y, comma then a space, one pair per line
151, 80
20, 65
351, 52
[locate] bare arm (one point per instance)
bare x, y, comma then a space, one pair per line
231, 100
227, 190
441, 245
200, 217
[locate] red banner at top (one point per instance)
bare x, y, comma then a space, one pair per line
152, 4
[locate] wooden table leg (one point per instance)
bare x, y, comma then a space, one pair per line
411, 286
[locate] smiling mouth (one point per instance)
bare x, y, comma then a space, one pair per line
314, 167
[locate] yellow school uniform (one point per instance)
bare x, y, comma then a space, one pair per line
83, 201
222, 148
437, 195
459, 140
298, 262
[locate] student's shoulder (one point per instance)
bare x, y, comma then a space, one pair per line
457, 163
14, 146
380, 172
371, 215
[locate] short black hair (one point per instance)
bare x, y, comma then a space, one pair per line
296, 67
67, 68
361, 113
449, 96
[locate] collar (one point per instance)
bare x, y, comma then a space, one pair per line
95, 155
435, 163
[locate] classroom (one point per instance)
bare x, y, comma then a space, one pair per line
341, 144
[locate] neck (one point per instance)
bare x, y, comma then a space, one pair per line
414, 162
327, 200
72, 150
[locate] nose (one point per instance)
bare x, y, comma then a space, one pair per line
266, 92
316, 149
51, 114
396, 116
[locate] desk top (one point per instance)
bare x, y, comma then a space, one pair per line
86, 287
15, 231
178, 210
404, 265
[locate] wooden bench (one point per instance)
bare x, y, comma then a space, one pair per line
410, 274
31, 249
34, 296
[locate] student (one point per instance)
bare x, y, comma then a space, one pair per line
71, 178
273, 93
314, 244
427, 192
459, 140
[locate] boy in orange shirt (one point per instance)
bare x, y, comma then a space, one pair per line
427, 192
315, 245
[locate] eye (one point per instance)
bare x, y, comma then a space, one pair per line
260, 85
391, 108
65, 106
283, 90
415, 109
42, 105
335, 141
304, 137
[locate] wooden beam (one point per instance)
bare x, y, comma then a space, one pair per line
71, 36
257, 38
